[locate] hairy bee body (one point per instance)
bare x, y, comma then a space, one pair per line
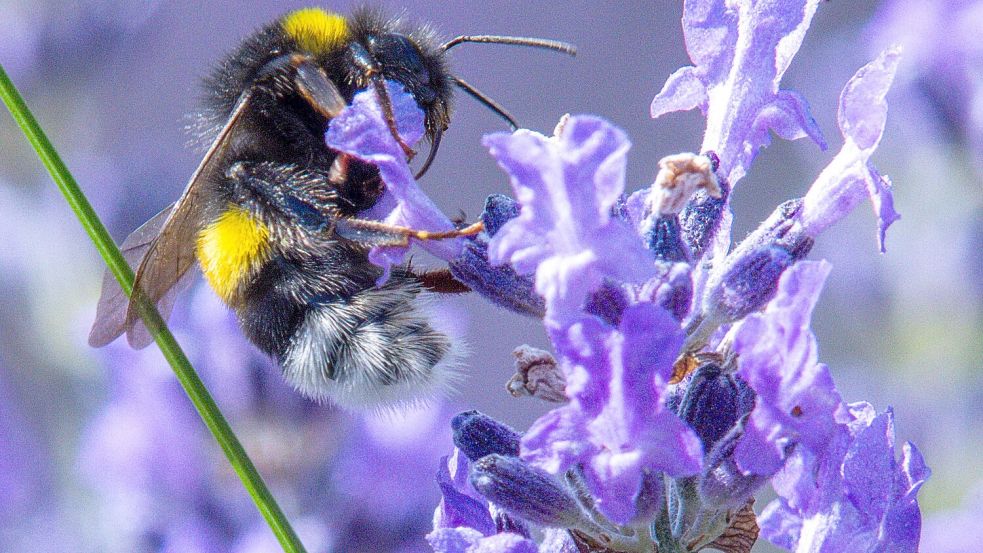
307, 298
262, 212
258, 215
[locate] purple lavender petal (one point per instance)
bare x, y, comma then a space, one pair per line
780, 524
683, 91
796, 396
850, 177
565, 233
361, 130
458, 509
616, 423
740, 51
862, 500
505, 543
555, 442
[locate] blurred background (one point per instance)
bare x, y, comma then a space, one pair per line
101, 451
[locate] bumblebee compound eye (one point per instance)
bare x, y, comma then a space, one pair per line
401, 60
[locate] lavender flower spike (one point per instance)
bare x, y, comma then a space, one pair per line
565, 233
361, 131
740, 50
850, 177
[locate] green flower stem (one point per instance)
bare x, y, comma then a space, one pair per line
186, 374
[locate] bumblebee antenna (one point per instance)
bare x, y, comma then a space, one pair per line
488, 102
544, 43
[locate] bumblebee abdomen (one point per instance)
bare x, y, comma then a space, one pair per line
375, 347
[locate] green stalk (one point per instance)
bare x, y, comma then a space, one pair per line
186, 374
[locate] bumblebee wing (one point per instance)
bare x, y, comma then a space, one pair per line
110, 320
171, 252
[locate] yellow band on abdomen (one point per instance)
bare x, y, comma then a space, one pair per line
231, 248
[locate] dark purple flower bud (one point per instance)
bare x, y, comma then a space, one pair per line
751, 282
527, 492
723, 485
537, 374
478, 435
701, 218
713, 403
499, 283
748, 277
607, 303
665, 239
499, 209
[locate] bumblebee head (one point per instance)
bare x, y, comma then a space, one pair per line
367, 47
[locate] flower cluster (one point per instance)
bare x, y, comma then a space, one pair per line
691, 374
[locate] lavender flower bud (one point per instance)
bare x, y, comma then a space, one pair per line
478, 435
665, 239
723, 485
500, 284
701, 217
537, 374
750, 282
499, 209
607, 303
713, 403
526, 492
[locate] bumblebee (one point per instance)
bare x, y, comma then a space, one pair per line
259, 214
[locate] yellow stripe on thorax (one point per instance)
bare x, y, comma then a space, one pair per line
231, 248
315, 30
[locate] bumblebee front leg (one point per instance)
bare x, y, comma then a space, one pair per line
303, 195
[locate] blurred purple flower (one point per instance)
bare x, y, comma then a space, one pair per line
361, 130
942, 69
741, 51
159, 478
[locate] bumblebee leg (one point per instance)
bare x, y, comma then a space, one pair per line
377, 233
373, 73
442, 282
303, 195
